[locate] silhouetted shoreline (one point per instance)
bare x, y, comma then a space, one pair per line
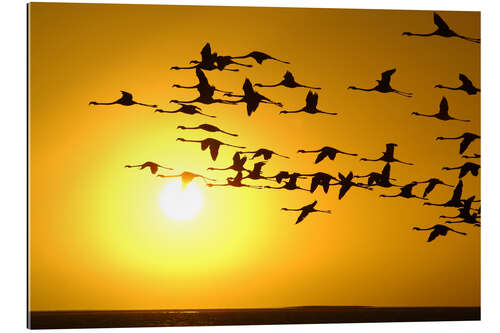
256, 316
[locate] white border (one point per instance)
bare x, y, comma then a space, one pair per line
13, 166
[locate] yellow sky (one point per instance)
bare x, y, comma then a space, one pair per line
98, 238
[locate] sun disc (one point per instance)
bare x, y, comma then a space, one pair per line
181, 204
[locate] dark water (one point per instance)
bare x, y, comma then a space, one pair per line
294, 315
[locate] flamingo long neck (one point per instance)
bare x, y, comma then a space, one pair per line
105, 103
270, 85
364, 89
422, 35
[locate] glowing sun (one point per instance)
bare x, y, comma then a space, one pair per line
181, 204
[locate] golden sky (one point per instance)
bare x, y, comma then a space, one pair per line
98, 237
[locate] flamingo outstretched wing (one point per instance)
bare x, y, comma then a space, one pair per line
288, 76
386, 76
201, 77
441, 24
433, 235
126, 95
443, 106
465, 80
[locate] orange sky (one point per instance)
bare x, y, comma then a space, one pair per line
98, 238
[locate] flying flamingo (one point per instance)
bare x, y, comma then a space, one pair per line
186, 109
442, 114
467, 167
223, 61
256, 172
324, 152
384, 85
472, 219
235, 182
153, 167
388, 155
456, 199
203, 83
464, 211
311, 103
206, 96
291, 184
125, 100
466, 86
288, 81
443, 30
467, 139
187, 177
405, 192
208, 61
311, 106
432, 184
382, 179
346, 183
211, 143
238, 164
259, 57
306, 210
208, 128
266, 153
320, 178
284, 175
438, 230
252, 98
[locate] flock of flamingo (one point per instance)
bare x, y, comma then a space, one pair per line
288, 179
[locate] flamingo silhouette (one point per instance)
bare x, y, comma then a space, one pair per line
187, 177
346, 183
382, 179
324, 152
442, 30
388, 155
203, 83
252, 98
284, 175
208, 128
256, 172
438, 230
432, 184
291, 184
320, 178
406, 192
238, 164
259, 57
153, 167
266, 153
206, 96
306, 210
186, 109
125, 100
472, 219
464, 211
235, 182
288, 81
456, 199
466, 86
384, 85
311, 103
208, 61
442, 114
211, 143
467, 167
467, 139
223, 61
